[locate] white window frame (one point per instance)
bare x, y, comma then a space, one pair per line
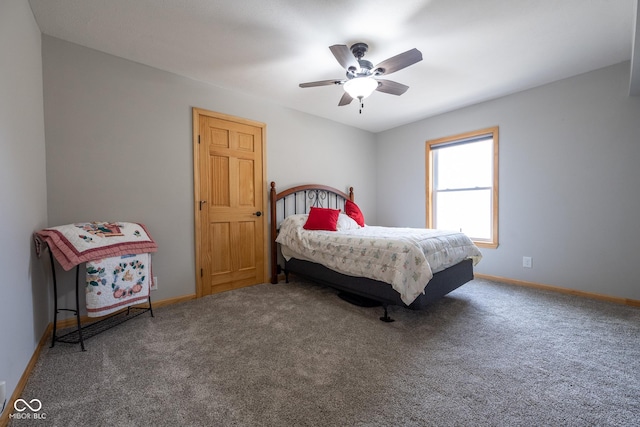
464, 138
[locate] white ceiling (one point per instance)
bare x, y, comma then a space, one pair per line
474, 50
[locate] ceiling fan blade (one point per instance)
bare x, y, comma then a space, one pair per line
393, 88
344, 56
321, 83
345, 100
399, 62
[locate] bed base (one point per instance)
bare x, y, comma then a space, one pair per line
440, 285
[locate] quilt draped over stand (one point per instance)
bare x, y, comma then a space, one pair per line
117, 257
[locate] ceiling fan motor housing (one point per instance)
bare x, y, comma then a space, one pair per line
364, 70
366, 67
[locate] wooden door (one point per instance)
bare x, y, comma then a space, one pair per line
230, 197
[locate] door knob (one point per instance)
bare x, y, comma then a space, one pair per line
258, 213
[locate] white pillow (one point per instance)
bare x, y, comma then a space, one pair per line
345, 222
294, 221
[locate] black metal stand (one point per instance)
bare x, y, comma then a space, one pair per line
92, 329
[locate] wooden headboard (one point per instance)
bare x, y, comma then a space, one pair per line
300, 200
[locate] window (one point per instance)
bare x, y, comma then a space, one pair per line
462, 185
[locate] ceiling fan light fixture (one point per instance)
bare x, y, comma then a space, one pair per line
360, 87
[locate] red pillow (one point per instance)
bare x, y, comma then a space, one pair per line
322, 219
354, 212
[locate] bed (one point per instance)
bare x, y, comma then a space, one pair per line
368, 265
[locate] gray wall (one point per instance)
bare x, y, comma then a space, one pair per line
569, 180
23, 199
119, 147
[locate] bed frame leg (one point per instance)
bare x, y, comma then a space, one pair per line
386, 317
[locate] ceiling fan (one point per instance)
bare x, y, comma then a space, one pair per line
363, 77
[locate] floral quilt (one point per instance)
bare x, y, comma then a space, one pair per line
117, 282
406, 258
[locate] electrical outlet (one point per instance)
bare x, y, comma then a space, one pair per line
527, 262
154, 287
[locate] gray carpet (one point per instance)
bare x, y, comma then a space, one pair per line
295, 354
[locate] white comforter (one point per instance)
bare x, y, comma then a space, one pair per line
406, 258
